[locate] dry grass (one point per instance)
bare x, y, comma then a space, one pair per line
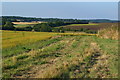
13, 38
80, 33
25, 22
109, 33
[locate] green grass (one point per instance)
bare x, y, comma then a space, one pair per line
65, 56
21, 25
7, 52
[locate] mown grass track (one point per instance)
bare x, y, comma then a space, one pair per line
65, 57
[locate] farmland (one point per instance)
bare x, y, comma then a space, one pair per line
83, 24
12, 40
21, 25
58, 55
59, 49
24, 24
91, 26
66, 40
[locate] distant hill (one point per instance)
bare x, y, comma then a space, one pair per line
29, 19
102, 21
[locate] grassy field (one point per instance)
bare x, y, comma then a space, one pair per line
24, 24
14, 38
21, 25
11, 40
58, 55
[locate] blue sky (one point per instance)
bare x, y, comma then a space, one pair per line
79, 10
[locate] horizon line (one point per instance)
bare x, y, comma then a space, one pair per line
62, 18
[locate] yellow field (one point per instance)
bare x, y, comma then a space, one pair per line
13, 38
26, 22
80, 33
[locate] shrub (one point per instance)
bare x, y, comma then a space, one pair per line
44, 27
24, 28
8, 26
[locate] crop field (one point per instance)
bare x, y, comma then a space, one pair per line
14, 39
26, 22
84, 24
21, 25
90, 26
58, 55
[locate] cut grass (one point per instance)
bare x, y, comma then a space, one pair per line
68, 56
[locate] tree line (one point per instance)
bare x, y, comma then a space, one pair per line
51, 26
30, 19
45, 27
42, 27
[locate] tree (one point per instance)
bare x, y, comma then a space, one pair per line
43, 27
58, 23
51, 24
4, 21
28, 28
8, 26
36, 27
56, 30
61, 30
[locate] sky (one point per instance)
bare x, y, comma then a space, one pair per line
60, 0
74, 10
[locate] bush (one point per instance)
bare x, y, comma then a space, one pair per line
61, 30
44, 27
28, 28
8, 26
24, 29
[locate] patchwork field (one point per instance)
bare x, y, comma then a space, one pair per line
58, 55
91, 26
25, 24
21, 25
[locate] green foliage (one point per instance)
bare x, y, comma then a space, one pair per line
8, 26
29, 19
61, 30
4, 21
21, 25
43, 27
28, 28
